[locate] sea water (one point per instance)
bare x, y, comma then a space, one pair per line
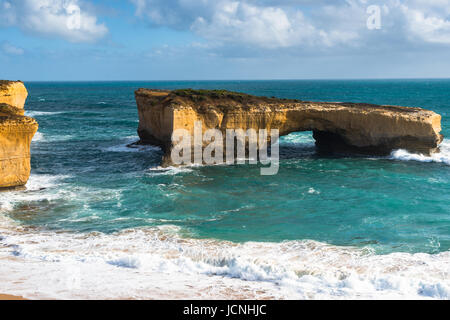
101, 220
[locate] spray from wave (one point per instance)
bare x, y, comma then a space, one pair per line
440, 157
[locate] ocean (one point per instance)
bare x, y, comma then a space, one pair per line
101, 220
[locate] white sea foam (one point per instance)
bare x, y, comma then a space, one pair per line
313, 191
32, 192
159, 263
299, 138
171, 171
39, 136
43, 181
31, 113
440, 157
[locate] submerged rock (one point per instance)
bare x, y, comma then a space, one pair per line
337, 127
16, 133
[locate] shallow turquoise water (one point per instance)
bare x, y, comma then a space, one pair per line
95, 183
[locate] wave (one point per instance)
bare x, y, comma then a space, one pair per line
39, 136
171, 171
128, 146
44, 181
298, 138
134, 148
443, 156
440, 157
121, 265
32, 192
31, 113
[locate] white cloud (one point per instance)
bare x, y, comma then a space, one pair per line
273, 24
54, 18
428, 21
267, 27
10, 49
244, 22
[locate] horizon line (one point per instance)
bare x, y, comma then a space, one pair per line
229, 80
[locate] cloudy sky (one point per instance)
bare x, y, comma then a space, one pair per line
223, 39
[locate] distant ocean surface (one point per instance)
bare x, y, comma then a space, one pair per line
101, 220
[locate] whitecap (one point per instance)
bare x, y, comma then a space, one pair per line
39, 136
313, 191
169, 170
31, 113
44, 181
34, 189
439, 157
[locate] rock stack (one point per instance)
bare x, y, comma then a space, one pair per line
16, 133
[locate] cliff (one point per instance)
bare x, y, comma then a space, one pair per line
16, 133
13, 93
337, 127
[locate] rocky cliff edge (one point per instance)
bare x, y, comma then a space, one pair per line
16, 133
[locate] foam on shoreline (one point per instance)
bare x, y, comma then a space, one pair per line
158, 263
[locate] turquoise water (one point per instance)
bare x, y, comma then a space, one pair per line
95, 183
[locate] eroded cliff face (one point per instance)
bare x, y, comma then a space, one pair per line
16, 133
337, 127
13, 93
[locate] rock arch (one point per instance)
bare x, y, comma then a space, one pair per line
338, 127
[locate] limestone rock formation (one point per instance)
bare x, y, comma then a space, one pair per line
337, 127
16, 133
13, 93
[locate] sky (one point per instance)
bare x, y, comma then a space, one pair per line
53, 40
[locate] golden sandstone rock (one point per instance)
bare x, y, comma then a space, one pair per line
13, 93
16, 133
337, 127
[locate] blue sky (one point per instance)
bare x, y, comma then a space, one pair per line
223, 39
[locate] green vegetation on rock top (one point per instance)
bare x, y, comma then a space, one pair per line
208, 93
5, 83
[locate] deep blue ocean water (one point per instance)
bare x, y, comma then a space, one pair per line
98, 184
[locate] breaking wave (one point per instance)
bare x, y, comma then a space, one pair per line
41, 113
440, 157
32, 192
158, 262
39, 136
